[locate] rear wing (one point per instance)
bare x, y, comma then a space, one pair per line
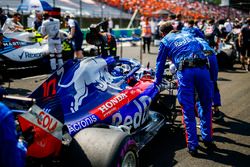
47, 129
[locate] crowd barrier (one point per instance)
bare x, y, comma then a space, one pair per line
122, 35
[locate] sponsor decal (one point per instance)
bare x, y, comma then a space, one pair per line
48, 132
115, 103
43, 120
85, 122
15, 44
27, 55
183, 41
111, 104
138, 118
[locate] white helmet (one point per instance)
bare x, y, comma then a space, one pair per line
172, 68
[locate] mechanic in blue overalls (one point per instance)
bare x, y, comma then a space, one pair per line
213, 69
12, 151
217, 114
193, 74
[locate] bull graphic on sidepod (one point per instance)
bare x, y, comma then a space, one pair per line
85, 75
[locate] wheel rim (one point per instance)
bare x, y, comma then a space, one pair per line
129, 159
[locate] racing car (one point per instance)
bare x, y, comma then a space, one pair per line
22, 48
95, 112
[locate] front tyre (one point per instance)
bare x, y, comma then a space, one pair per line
107, 148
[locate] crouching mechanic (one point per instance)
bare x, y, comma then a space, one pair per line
213, 69
192, 73
51, 27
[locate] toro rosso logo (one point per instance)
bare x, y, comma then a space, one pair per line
88, 73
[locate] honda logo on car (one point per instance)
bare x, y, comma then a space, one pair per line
109, 106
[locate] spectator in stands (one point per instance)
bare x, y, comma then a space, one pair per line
146, 35
3, 18
244, 43
75, 34
13, 24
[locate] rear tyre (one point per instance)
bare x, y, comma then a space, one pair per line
107, 148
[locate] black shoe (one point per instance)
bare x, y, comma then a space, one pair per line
217, 115
193, 152
210, 145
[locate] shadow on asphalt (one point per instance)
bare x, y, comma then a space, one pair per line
172, 138
223, 79
224, 156
227, 156
234, 126
169, 139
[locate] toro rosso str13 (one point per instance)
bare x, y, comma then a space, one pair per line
96, 112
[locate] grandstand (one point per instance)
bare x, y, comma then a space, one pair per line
90, 8
189, 9
123, 9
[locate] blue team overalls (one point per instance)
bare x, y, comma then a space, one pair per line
178, 47
214, 69
12, 152
196, 32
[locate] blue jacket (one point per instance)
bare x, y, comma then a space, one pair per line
12, 152
205, 45
177, 46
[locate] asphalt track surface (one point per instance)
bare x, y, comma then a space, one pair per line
168, 148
